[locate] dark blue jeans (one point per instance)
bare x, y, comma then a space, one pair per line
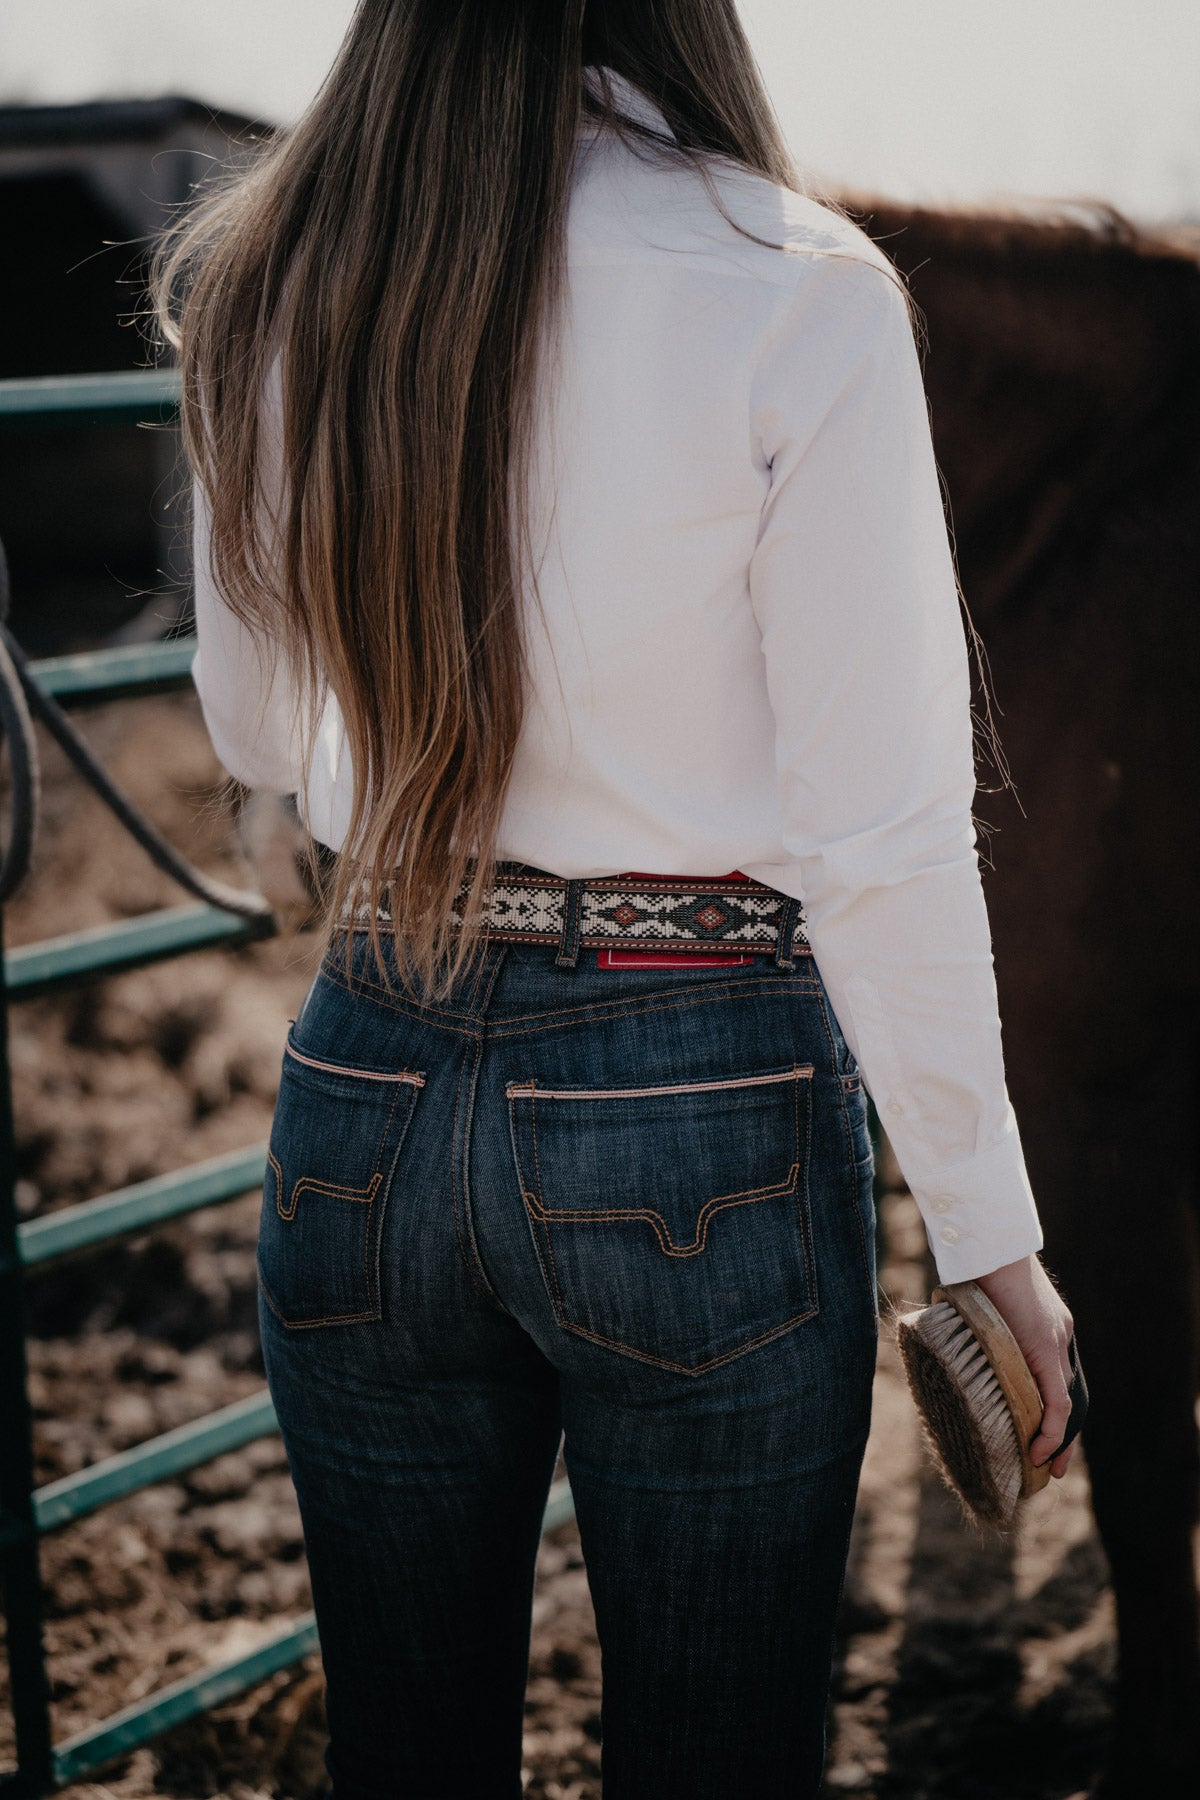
631, 1206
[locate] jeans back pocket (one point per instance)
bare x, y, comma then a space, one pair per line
672, 1221
335, 1143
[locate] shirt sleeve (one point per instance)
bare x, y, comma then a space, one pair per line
248, 701
854, 589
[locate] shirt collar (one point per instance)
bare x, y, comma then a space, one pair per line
629, 100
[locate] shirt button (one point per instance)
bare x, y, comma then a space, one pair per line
895, 1108
948, 1234
941, 1203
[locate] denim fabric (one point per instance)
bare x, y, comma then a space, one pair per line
629, 1206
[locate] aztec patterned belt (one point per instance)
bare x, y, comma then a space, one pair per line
641, 912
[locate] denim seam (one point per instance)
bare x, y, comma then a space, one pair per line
803, 1201
851, 1160
370, 1194
713, 1362
720, 991
553, 1012
474, 1052
742, 1197
803, 1221
624, 1009
528, 1090
425, 1012
360, 1195
590, 1012
473, 1003
345, 1069
468, 1051
308, 1324
559, 1305
387, 1194
347, 1192
549, 1276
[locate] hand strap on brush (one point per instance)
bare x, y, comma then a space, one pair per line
1077, 1393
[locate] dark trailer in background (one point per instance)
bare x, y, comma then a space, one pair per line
93, 538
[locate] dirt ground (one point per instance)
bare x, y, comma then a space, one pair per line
965, 1670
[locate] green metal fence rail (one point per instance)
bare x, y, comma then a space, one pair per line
59, 964
130, 669
55, 402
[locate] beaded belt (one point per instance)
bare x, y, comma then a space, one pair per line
639, 912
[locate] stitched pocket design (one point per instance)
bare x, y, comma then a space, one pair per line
335, 1144
672, 1220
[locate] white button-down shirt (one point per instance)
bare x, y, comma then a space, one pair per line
749, 651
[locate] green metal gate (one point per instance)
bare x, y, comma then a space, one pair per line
45, 688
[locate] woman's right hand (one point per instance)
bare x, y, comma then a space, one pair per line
1038, 1318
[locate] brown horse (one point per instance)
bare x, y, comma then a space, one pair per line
1063, 373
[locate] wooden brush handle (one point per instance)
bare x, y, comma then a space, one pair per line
1011, 1370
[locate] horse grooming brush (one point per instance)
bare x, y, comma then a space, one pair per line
979, 1403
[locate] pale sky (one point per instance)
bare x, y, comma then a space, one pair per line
932, 100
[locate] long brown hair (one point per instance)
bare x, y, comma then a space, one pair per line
396, 261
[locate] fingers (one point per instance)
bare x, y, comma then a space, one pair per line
1041, 1322
1055, 1385
1056, 1405
1061, 1464
1053, 1427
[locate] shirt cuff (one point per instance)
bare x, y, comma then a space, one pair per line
981, 1213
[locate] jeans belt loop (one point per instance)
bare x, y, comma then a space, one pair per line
788, 915
568, 943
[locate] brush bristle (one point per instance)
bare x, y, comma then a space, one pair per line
966, 1418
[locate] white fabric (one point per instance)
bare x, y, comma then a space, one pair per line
752, 654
